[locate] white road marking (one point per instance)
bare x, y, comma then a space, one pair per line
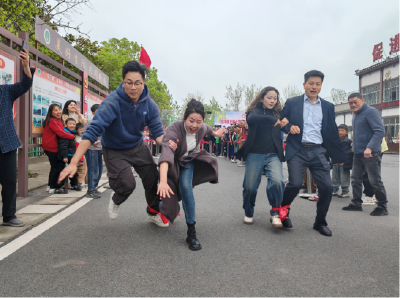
101, 189
70, 194
16, 244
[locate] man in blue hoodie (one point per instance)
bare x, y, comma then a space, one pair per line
368, 132
119, 121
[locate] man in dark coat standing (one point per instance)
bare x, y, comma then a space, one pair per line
310, 122
9, 141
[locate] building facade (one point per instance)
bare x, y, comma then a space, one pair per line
379, 85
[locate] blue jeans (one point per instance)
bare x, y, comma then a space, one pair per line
186, 190
272, 166
340, 177
94, 162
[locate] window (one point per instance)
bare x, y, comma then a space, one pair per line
371, 94
391, 128
391, 90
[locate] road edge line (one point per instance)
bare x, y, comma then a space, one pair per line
24, 239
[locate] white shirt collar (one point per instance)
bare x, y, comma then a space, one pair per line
306, 98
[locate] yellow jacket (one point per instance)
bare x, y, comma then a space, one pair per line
79, 118
384, 145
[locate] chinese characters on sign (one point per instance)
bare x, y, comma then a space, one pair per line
378, 48
377, 53
53, 41
394, 44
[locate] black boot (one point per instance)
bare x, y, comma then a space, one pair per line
194, 244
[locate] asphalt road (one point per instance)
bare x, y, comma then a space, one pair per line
87, 254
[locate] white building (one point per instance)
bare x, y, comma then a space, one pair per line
379, 85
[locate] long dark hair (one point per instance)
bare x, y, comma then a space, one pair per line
260, 97
194, 106
50, 114
65, 109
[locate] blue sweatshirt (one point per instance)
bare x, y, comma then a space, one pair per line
120, 122
368, 130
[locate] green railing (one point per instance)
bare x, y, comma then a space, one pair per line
35, 151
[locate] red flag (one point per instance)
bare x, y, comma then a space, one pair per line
144, 57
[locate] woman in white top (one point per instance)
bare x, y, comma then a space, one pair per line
186, 167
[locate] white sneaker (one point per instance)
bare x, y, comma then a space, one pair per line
368, 201
248, 220
241, 164
276, 221
157, 220
112, 208
47, 188
51, 190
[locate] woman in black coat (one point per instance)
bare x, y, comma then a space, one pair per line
263, 151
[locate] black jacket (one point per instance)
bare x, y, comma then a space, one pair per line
346, 142
66, 148
257, 120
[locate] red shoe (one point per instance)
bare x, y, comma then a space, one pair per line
315, 198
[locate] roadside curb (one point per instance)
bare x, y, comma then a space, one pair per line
38, 212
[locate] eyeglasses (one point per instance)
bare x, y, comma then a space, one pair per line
137, 84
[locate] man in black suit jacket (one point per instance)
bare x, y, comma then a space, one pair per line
310, 122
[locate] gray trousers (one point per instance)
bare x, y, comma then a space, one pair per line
122, 181
372, 166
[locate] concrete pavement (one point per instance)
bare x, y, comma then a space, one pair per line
88, 254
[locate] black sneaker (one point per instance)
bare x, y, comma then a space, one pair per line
287, 223
352, 207
61, 191
99, 193
76, 187
379, 211
93, 194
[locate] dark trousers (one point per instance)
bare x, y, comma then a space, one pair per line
314, 159
122, 181
8, 181
372, 166
368, 189
73, 180
56, 166
217, 149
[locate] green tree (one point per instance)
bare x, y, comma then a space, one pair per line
250, 94
197, 96
289, 92
338, 96
85, 46
176, 111
234, 97
112, 56
214, 108
19, 15
158, 90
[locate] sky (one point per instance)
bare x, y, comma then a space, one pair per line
204, 46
